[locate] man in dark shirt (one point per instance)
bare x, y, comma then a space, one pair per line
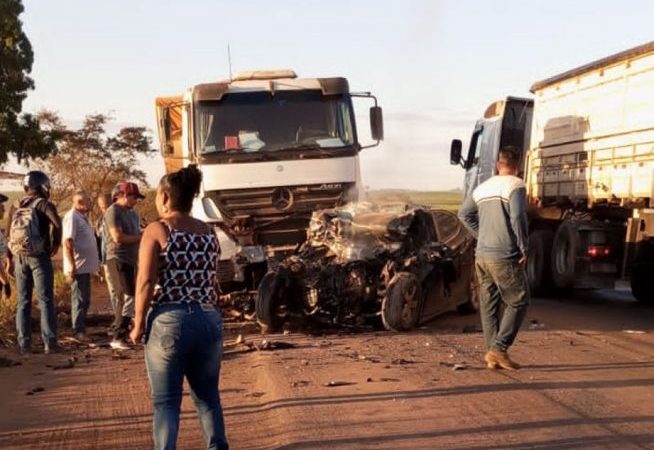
122, 253
34, 271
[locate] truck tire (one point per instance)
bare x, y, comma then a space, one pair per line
539, 263
642, 286
268, 301
401, 304
564, 255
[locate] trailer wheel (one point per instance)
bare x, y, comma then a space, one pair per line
564, 255
401, 304
642, 287
539, 267
268, 302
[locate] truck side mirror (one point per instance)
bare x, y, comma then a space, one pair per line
455, 152
376, 123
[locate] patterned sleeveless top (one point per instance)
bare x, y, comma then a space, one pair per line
187, 268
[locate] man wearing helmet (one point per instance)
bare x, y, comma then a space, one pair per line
34, 238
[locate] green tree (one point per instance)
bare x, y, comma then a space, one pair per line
92, 160
20, 135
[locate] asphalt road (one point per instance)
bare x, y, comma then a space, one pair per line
587, 383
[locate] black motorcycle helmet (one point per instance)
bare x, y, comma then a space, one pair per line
37, 182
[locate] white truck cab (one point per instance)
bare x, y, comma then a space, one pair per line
272, 148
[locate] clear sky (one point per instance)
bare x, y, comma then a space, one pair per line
434, 65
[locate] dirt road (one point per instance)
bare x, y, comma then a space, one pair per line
588, 383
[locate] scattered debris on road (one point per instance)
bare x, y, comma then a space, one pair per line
536, 325
36, 390
469, 329
255, 394
69, 364
402, 361
339, 383
7, 362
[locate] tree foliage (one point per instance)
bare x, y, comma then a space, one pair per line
20, 135
92, 160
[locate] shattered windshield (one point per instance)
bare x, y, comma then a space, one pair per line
266, 122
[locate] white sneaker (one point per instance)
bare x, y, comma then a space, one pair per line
118, 344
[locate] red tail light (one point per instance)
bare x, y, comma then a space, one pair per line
599, 251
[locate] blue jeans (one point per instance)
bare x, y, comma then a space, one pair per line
34, 273
504, 281
80, 300
185, 340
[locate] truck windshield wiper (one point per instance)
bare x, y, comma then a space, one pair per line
295, 147
314, 149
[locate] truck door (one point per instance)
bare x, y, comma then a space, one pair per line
169, 123
482, 154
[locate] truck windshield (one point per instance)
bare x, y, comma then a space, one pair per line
265, 122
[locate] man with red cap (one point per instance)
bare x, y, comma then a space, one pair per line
122, 253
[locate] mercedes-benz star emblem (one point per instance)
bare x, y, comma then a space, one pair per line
282, 198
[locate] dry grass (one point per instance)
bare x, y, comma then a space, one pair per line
8, 308
449, 200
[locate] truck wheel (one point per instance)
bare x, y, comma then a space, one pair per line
564, 255
539, 267
401, 304
268, 302
642, 287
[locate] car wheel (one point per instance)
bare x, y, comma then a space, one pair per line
401, 304
539, 267
564, 255
269, 301
472, 305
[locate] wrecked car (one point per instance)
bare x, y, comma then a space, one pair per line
372, 267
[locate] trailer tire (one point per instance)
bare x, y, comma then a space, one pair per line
539, 267
269, 298
401, 304
564, 255
642, 287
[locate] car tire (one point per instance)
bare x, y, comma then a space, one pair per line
402, 302
564, 255
472, 305
539, 262
269, 299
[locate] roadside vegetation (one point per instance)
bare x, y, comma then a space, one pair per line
448, 200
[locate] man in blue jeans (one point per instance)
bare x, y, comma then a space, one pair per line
34, 238
496, 214
80, 260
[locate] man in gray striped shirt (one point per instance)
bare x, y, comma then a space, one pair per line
496, 214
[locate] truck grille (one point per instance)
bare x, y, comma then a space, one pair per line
279, 215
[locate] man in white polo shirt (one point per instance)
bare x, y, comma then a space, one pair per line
80, 260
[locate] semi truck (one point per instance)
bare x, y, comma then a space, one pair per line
272, 148
586, 140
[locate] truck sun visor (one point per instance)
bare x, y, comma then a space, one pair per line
333, 86
209, 91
